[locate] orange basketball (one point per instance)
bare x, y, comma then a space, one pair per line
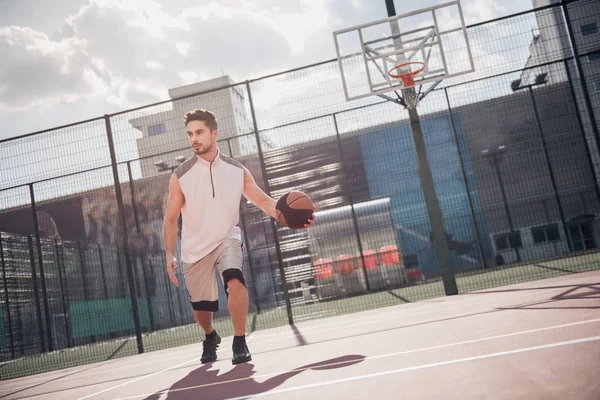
294, 209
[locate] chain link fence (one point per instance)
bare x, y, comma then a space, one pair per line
514, 154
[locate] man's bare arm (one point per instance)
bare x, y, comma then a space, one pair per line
257, 196
174, 203
260, 199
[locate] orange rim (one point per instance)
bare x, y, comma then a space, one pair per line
408, 78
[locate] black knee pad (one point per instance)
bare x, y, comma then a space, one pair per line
230, 274
211, 306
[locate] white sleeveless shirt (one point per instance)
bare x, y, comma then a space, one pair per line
211, 211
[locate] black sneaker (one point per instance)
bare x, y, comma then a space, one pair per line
209, 353
241, 354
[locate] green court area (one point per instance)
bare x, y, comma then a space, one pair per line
190, 334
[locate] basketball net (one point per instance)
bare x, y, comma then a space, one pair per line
411, 97
409, 93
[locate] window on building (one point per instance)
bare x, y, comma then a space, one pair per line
582, 236
546, 233
156, 129
597, 85
508, 240
589, 29
594, 56
411, 261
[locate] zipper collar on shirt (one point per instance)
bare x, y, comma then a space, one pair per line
216, 161
210, 166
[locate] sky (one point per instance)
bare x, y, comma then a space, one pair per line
63, 62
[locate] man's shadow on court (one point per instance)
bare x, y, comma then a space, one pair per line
206, 383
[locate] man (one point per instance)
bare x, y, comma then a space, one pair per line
207, 190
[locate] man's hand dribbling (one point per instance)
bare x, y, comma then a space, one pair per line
311, 220
171, 267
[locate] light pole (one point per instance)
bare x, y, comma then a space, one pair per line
162, 166
495, 154
541, 80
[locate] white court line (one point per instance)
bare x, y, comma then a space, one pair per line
419, 367
137, 379
82, 373
384, 355
534, 291
467, 297
338, 327
433, 308
305, 332
249, 339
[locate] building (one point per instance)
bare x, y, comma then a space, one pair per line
551, 42
163, 133
542, 181
532, 170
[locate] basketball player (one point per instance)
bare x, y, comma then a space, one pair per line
207, 190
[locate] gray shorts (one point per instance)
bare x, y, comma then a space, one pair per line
200, 277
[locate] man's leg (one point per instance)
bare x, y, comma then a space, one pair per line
230, 265
238, 306
212, 340
201, 285
204, 319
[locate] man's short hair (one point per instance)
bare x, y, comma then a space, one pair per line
202, 115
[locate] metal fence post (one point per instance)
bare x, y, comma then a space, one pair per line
550, 170
133, 202
582, 128
353, 211
86, 297
250, 264
104, 283
147, 284
62, 292
169, 297
7, 300
464, 174
124, 237
584, 88
509, 218
286, 296
38, 244
18, 313
36, 294
102, 271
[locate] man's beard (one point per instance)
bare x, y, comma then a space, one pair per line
202, 150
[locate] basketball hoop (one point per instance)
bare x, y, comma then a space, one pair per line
411, 98
423, 36
407, 78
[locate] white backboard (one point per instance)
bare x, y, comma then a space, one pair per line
435, 36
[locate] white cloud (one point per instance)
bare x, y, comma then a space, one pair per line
293, 22
183, 47
151, 64
38, 71
125, 50
129, 52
